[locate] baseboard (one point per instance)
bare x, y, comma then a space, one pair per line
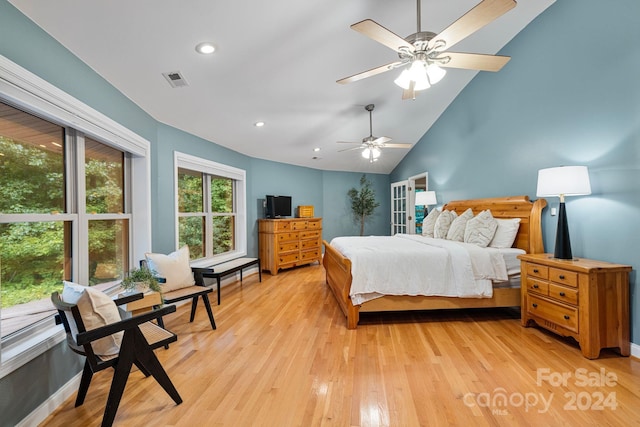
635, 350
52, 403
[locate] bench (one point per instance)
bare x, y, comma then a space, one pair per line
217, 271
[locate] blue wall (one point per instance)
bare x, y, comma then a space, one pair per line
553, 104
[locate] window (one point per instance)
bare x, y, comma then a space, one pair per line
42, 220
211, 208
74, 205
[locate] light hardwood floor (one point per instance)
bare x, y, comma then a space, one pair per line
282, 356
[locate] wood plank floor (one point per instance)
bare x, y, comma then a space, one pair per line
282, 356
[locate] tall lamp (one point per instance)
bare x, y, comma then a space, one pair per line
426, 198
563, 181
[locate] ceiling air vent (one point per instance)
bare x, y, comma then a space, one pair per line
175, 79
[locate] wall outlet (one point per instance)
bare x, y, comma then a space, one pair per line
553, 211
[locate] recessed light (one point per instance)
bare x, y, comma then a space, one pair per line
258, 124
205, 48
316, 149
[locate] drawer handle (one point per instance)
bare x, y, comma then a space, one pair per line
535, 286
535, 270
566, 317
534, 305
562, 294
561, 277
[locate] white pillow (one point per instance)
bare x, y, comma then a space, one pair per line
429, 223
459, 224
96, 309
443, 223
505, 233
174, 268
481, 229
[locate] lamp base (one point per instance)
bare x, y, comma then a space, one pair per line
563, 242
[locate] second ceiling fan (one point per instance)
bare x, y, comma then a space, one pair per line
424, 52
371, 146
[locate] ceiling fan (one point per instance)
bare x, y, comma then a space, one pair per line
424, 53
371, 146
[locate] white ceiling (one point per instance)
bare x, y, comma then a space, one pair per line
276, 61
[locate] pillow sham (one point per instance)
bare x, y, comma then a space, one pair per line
458, 225
174, 268
429, 223
97, 309
481, 229
505, 233
443, 223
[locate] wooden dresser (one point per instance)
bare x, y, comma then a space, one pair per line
286, 243
581, 298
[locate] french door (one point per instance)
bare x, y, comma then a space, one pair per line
401, 218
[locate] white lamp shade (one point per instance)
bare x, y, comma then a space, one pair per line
426, 198
563, 181
369, 153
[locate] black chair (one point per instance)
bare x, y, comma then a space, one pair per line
192, 292
139, 339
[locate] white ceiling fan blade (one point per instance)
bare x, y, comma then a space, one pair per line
348, 142
397, 145
475, 61
381, 140
482, 14
351, 149
409, 93
369, 73
382, 35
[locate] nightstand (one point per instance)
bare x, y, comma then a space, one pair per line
581, 298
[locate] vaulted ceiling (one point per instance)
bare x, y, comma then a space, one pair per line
275, 61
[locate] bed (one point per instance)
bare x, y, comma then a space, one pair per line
528, 238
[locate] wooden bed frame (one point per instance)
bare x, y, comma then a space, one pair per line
529, 238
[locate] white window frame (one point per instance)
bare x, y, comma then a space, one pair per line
29, 92
239, 176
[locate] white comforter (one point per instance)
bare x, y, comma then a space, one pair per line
407, 264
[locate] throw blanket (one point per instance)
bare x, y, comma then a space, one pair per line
407, 264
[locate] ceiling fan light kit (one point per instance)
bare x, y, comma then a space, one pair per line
425, 53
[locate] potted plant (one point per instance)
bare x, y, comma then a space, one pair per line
141, 280
363, 201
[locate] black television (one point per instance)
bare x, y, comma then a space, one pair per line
278, 206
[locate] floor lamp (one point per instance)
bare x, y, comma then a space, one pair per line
563, 181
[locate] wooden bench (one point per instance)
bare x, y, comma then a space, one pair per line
217, 271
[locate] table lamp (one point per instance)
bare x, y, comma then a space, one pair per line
563, 181
426, 198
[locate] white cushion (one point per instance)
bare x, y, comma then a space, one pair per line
481, 229
505, 233
443, 223
97, 309
459, 224
429, 223
174, 268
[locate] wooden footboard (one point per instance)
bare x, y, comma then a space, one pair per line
529, 238
338, 272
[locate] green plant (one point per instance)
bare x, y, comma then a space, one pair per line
363, 201
141, 275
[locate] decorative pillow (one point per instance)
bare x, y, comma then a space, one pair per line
429, 223
481, 229
443, 223
459, 224
175, 268
505, 233
96, 309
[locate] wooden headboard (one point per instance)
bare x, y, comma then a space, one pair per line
529, 237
